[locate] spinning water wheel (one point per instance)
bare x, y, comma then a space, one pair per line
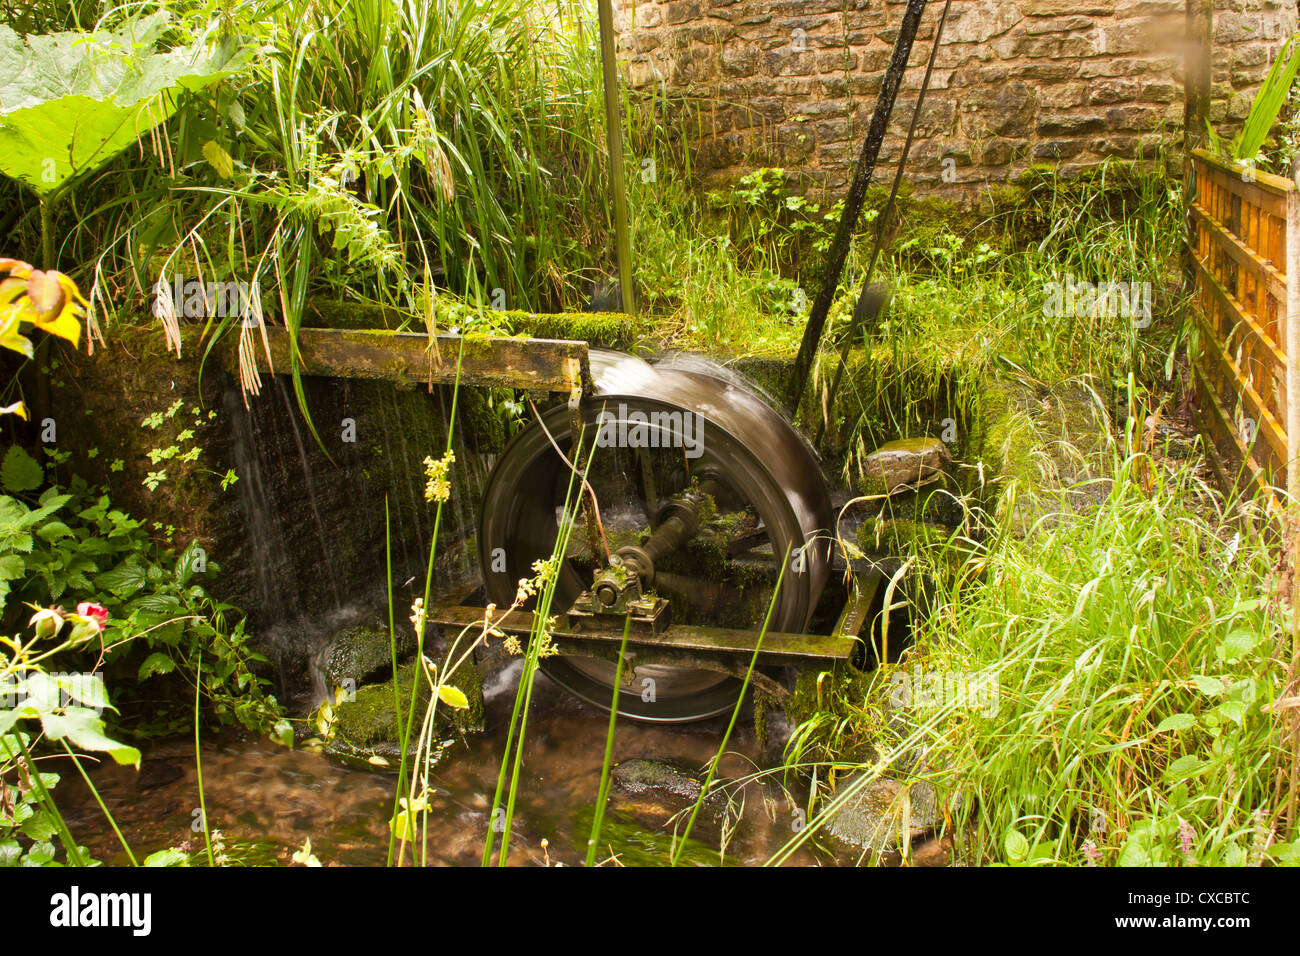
702, 493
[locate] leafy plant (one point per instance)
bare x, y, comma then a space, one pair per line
1271, 96
72, 544
67, 711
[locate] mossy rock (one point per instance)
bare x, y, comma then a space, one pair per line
899, 535
871, 819
366, 726
363, 654
663, 777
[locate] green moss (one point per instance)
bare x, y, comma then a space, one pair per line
333, 314
609, 330
363, 652
369, 717
468, 679
1007, 437
369, 720
899, 535
479, 423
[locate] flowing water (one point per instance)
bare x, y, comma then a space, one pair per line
267, 800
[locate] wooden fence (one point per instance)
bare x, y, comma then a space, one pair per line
1245, 250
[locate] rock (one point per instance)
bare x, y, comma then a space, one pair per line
872, 819
365, 727
363, 653
157, 773
659, 778
899, 535
906, 464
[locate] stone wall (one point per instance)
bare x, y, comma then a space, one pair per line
793, 82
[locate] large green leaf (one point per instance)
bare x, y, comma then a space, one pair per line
83, 728
69, 102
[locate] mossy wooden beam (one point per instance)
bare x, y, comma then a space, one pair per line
408, 358
684, 644
608, 329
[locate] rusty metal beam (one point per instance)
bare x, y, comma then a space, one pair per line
408, 358
678, 644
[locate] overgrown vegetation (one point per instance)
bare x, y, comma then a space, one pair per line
443, 160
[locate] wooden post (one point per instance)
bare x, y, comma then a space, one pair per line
614, 144
1293, 464
1293, 341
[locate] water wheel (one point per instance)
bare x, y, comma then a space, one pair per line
702, 490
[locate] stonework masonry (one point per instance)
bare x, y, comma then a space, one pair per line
793, 82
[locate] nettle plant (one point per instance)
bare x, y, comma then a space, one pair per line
782, 226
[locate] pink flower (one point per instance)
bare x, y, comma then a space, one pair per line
1091, 852
1186, 836
94, 612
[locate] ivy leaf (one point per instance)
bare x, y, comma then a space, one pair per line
20, 471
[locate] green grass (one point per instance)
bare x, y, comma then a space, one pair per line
1120, 662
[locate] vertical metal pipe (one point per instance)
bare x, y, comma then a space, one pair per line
614, 144
839, 251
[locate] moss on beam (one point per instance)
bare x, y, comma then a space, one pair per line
606, 329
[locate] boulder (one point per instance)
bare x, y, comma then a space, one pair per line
905, 465
364, 729
873, 819
364, 654
665, 784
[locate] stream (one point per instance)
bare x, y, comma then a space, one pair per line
266, 800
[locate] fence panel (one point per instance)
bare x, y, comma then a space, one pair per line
1238, 240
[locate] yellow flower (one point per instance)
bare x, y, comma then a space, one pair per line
48, 300
438, 486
